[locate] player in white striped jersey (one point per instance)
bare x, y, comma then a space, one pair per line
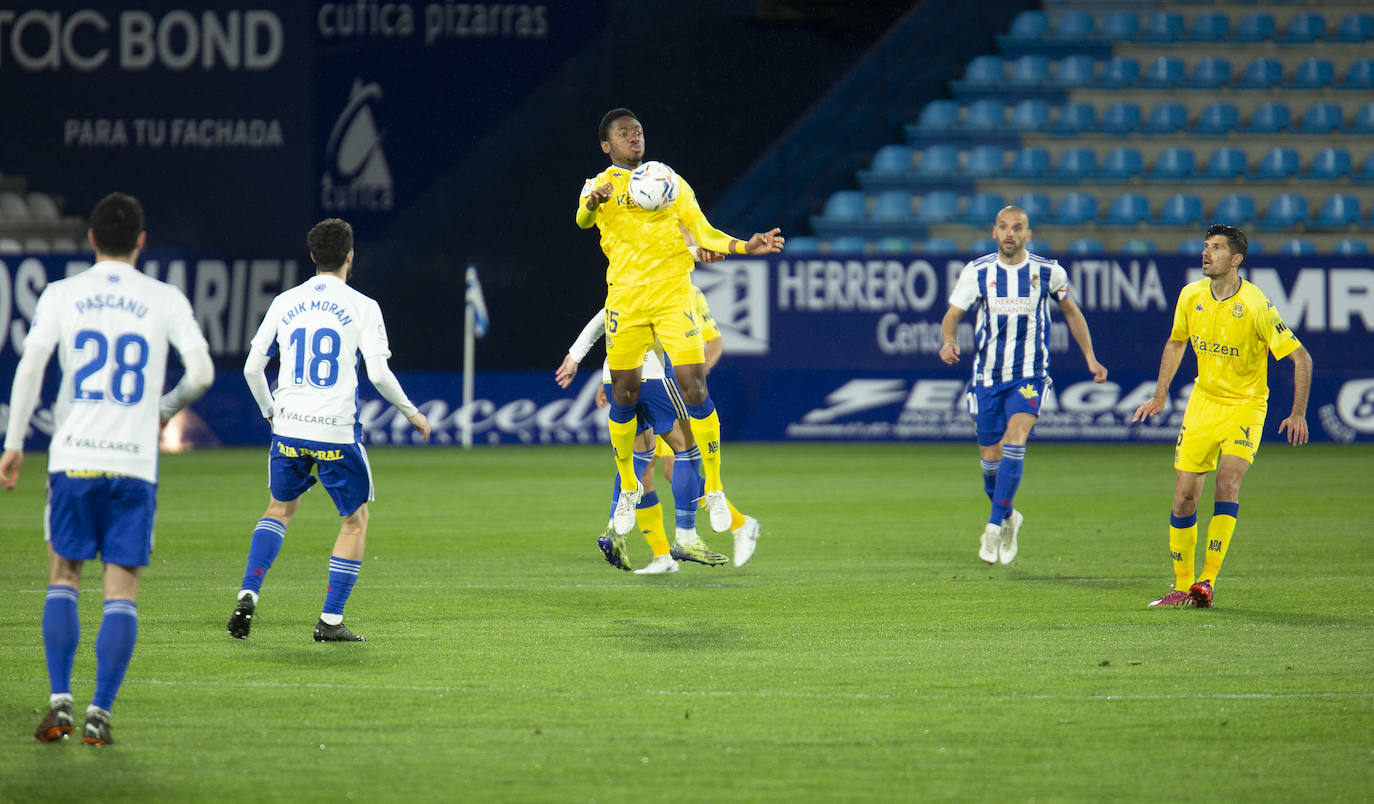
1012, 290
111, 326
319, 327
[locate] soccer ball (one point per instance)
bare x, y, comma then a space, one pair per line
653, 186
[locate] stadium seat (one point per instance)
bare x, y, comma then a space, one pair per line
1076, 163
892, 160
1262, 73
1364, 120
892, 205
37, 245
1355, 27
939, 245
983, 245
1077, 70
1076, 208
939, 115
1075, 117
1181, 209
1175, 162
1031, 70
1164, 72
1218, 119
983, 208
1270, 117
1236, 209
1360, 75
43, 208
1122, 163
66, 245
1277, 163
1321, 118
1031, 114
9, 245
1122, 117
1285, 211
1031, 162
885, 245
1330, 164
13, 209
1120, 25
1075, 25
939, 160
985, 161
1256, 26
1129, 209
1166, 118
1305, 28
1212, 26
804, 244
846, 205
1190, 247
1163, 26
1256, 247
940, 206
1226, 162
1120, 72
1036, 205
848, 244
1350, 247
985, 115
1030, 24
984, 71
1210, 73
1039, 245
1139, 245
1367, 169
1313, 73
1339, 211
1087, 245
1298, 248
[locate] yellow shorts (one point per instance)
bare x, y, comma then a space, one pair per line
1212, 429
639, 314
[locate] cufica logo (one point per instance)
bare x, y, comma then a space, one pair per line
358, 176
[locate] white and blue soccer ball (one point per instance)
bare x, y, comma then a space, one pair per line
653, 186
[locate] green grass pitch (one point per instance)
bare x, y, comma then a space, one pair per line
865, 654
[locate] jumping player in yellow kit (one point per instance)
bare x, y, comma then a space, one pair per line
1231, 325
649, 297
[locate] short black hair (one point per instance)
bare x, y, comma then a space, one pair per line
603, 130
1235, 238
116, 223
330, 241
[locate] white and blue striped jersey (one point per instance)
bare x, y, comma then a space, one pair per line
1011, 337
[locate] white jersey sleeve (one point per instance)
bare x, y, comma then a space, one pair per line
966, 290
587, 338
1059, 282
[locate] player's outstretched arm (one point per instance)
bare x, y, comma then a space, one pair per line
1078, 327
565, 372
1168, 366
1296, 423
949, 330
769, 242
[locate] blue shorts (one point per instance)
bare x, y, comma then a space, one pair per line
660, 405
93, 513
343, 469
992, 406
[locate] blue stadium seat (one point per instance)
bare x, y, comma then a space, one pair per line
1129, 209
891, 160
1330, 164
1351, 247
1030, 24
1257, 26
1164, 72
985, 161
1175, 162
1190, 247
892, 205
985, 71
939, 160
940, 206
1367, 169
1210, 73
848, 244
1039, 245
1163, 26
1036, 205
1285, 210
1313, 73
1139, 245
1075, 25
1031, 70
1364, 120
804, 244
983, 245
1339, 211
1218, 118
1262, 73
1122, 117
1166, 118
1321, 118
1119, 72
1305, 28
1360, 75
1181, 209
1076, 163
1031, 162
939, 115
1236, 209
1355, 27
1075, 117
1087, 245
1277, 163
1120, 25
1031, 114
1212, 26
846, 205
1256, 247
939, 245
1270, 117
1298, 248
1076, 208
1077, 70
1226, 162
1122, 163
983, 208
985, 115
885, 245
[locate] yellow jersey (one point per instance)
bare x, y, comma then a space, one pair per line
709, 330
1230, 337
643, 246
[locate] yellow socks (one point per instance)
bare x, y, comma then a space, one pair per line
1182, 544
736, 518
623, 450
706, 431
650, 521
1219, 532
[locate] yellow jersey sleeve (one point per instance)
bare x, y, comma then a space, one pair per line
707, 236
709, 330
1274, 333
